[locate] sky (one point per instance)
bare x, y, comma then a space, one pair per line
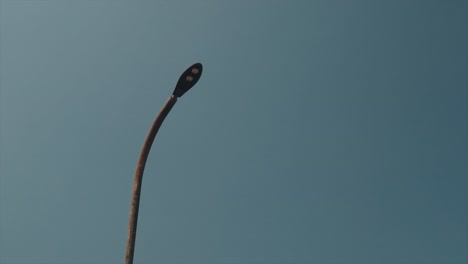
321, 131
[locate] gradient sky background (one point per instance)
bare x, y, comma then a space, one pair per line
320, 132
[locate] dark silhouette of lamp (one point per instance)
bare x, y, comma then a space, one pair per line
188, 79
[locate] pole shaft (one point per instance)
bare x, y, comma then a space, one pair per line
135, 204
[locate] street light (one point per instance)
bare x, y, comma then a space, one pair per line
186, 81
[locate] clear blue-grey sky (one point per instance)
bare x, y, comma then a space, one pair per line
321, 131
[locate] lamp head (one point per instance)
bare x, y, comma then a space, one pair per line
188, 79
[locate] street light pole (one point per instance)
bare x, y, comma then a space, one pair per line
186, 81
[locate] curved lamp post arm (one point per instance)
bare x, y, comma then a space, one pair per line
186, 81
132, 224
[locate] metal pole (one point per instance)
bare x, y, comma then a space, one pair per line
132, 224
186, 81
